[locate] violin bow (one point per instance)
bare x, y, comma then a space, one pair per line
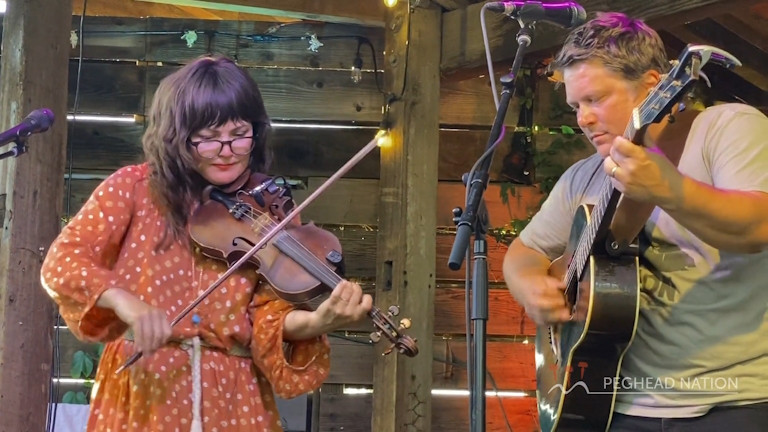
289, 217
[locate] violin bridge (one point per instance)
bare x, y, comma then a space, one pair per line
239, 210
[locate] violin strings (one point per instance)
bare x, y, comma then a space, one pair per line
310, 259
295, 246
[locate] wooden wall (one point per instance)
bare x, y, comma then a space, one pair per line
119, 76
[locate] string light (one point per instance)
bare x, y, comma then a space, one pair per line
385, 139
390, 3
444, 392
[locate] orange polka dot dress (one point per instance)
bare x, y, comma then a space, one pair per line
228, 358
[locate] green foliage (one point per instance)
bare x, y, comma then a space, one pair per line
83, 366
558, 107
548, 163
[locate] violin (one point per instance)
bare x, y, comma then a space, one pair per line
254, 222
301, 263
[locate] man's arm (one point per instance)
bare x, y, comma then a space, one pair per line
546, 235
520, 261
731, 215
731, 220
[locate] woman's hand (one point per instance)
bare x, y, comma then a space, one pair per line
151, 327
347, 304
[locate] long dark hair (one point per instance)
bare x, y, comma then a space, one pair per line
208, 92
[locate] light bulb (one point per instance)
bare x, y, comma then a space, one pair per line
390, 3
384, 138
357, 73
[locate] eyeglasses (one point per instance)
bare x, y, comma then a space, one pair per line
209, 149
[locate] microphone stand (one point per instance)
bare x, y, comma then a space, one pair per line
19, 149
475, 219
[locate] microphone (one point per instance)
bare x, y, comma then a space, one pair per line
39, 120
563, 14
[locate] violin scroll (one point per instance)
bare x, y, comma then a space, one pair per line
386, 325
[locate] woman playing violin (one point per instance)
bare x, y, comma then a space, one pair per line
124, 266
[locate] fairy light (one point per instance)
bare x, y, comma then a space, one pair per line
104, 118
384, 138
444, 392
390, 3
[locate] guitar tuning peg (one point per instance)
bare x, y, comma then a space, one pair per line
393, 311
375, 337
405, 323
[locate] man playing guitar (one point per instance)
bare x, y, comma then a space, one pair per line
696, 196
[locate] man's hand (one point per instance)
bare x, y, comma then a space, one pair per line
643, 174
544, 300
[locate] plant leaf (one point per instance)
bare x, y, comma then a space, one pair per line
567, 130
69, 397
80, 398
78, 363
87, 367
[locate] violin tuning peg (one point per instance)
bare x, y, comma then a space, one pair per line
375, 337
405, 323
389, 350
393, 311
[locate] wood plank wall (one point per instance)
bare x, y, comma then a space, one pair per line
119, 76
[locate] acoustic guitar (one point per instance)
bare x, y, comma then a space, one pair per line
578, 363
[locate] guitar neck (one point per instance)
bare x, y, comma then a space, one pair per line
602, 214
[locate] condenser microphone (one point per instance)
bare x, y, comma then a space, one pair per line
563, 14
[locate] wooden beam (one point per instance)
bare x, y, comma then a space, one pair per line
450, 5
289, 94
510, 362
103, 148
678, 18
34, 75
356, 202
349, 413
751, 27
727, 85
462, 45
405, 270
361, 12
160, 40
137, 9
754, 62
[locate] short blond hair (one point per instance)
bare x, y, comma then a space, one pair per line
625, 45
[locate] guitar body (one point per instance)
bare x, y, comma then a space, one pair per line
578, 362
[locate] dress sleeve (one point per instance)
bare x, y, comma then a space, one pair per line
297, 368
77, 267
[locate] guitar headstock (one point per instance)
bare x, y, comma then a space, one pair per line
685, 71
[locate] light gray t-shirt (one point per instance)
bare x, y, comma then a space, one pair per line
702, 335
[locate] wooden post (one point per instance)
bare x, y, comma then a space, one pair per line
34, 69
405, 275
